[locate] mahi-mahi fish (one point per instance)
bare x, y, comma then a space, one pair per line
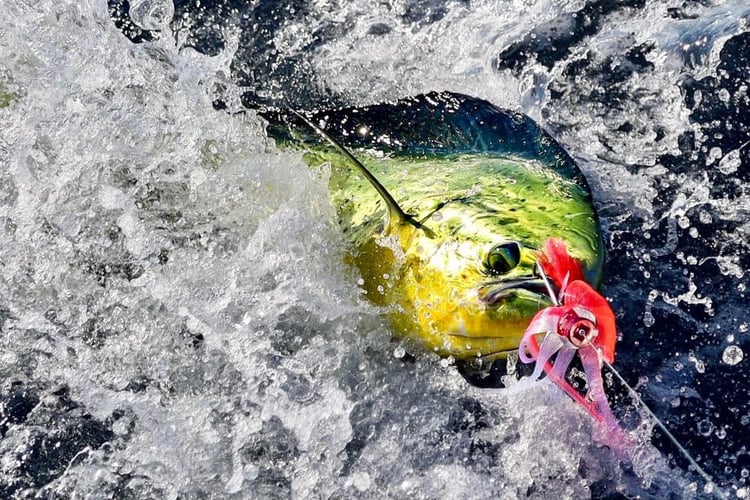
476, 231
447, 201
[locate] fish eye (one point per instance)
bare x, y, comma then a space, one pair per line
503, 257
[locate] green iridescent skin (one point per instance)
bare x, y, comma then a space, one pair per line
436, 282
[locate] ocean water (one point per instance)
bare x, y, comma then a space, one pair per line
176, 319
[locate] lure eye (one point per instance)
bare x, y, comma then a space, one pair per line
503, 257
578, 325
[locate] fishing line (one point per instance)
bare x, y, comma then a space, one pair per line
550, 291
706, 477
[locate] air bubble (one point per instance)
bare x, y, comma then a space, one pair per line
399, 352
732, 355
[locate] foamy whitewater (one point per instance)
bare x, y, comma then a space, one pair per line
177, 321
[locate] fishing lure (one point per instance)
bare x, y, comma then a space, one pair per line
581, 322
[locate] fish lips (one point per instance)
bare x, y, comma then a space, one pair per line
497, 292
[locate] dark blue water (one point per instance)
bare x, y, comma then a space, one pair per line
165, 309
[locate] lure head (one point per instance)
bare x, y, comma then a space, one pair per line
581, 322
578, 326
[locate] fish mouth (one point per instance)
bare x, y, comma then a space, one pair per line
497, 292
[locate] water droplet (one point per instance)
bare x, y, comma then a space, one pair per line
446, 362
151, 14
648, 319
743, 328
732, 355
730, 162
721, 433
399, 352
678, 367
705, 427
705, 217
713, 155
700, 367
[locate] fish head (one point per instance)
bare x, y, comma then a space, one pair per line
469, 296
471, 284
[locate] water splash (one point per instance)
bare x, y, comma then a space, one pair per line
171, 286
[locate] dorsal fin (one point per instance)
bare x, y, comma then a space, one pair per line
394, 210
